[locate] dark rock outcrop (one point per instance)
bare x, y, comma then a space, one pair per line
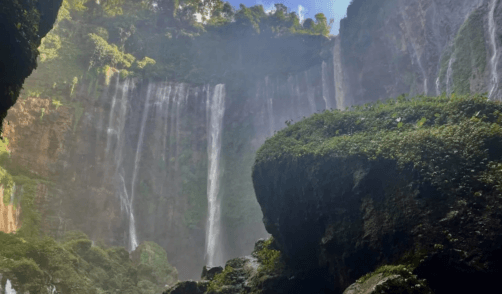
337, 196
23, 24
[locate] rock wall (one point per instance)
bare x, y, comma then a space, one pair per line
392, 47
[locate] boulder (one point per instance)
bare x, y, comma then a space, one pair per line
389, 183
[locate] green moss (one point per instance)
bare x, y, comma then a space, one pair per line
270, 259
220, 280
449, 143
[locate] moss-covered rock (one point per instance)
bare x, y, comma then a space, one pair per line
357, 189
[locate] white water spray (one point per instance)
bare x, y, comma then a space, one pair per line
216, 111
494, 60
9, 289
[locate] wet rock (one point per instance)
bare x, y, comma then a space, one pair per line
188, 287
208, 273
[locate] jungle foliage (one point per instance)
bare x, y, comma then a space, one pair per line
433, 134
166, 39
75, 265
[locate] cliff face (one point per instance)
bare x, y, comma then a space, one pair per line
392, 47
128, 158
9, 216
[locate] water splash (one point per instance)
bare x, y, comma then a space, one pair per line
494, 60
216, 111
8, 288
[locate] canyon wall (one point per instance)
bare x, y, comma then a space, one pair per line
392, 47
127, 160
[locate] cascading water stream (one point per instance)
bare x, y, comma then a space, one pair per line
338, 76
270, 106
110, 129
310, 94
494, 60
8, 288
449, 73
133, 241
325, 92
437, 87
216, 109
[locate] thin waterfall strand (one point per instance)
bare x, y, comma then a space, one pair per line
494, 60
216, 111
325, 92
133, 241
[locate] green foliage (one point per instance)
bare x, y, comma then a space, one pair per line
446, 139
72, 266
270, 259
220, 280
107, 54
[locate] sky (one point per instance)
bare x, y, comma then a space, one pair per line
336, 9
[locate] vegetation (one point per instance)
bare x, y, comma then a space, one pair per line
442, 137
270, 259
220, 280
153, 39
74, 265
405, 281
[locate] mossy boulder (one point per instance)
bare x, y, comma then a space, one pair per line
386, 183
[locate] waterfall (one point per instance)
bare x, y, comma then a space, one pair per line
270, 110
493, 41
133, 242
310, 96
448, 76
121, 122
325, 91
8, 288
338, 76
110, 130
166, 122
216, 111
437, 87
